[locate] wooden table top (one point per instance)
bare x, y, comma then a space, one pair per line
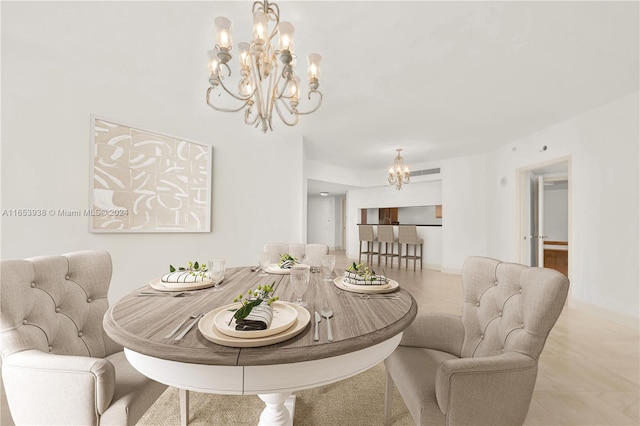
140, 323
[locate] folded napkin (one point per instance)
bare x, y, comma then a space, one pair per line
258, 319
183, 277
286, 264
353, 278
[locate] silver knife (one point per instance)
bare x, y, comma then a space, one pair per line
189, 327
316, 337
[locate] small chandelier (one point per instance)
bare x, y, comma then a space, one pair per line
398, 173
267, 77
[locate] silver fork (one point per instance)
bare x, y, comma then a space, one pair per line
175, 330
165, 294
189, 327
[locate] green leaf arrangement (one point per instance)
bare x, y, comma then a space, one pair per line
361, 270
194, 268
261, 294
287, 258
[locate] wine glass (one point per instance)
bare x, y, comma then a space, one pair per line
299, 276
215, 270
264, 260
327, 265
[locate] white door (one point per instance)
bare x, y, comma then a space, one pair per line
320, 219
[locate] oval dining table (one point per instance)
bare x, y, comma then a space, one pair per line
365, 331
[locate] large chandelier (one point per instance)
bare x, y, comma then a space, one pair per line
398, 172
267, 80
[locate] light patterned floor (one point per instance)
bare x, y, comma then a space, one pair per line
589, 371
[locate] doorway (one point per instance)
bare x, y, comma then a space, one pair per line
320, 221
545, 225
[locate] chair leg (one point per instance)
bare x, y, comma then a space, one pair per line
388, 399
421, 253
415, 256
184, 407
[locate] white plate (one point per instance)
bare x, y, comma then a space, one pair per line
275, 269
283, 317
392, 285
211, 332
162, 286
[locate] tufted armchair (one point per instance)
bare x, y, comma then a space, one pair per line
58, 365
479, 368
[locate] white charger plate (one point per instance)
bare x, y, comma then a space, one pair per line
284, 316
275, 269
162, 286
211, 332
391, 286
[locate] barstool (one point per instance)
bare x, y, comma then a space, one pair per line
408, 235
366, 236
386, 236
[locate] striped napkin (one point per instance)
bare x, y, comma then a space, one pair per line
258, 319
353, 278
183, 277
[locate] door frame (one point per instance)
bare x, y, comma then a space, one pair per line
524, 212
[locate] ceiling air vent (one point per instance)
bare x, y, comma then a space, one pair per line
425, 172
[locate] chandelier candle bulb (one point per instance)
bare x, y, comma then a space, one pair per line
285, 32
223, 32
260, 22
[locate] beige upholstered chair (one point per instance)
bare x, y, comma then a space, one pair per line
479, 368
366, 235
58, 365
313, 254
388, 240
275, 250
408, 235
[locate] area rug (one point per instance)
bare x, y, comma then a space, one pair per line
357, 401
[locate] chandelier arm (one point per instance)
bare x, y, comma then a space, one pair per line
221, 108
274, 82
282, 117
238, 97
316, 107
247, 117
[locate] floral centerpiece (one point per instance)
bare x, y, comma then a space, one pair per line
360, 274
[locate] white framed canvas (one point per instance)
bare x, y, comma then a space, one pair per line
144, 181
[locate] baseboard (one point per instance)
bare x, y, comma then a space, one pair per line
451, 271
606, 314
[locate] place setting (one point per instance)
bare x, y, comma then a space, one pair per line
282, 267
180, 281
359, 278
259, 318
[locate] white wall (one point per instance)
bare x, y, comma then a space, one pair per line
603, 146
125, 61
464, 210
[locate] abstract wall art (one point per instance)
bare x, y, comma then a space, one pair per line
143, 181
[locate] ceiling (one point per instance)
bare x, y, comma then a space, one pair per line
444, 79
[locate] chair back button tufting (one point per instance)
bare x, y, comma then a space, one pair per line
24, 322
50, 348
33, 285
58, 310
66, 277
80, 334
89, 300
